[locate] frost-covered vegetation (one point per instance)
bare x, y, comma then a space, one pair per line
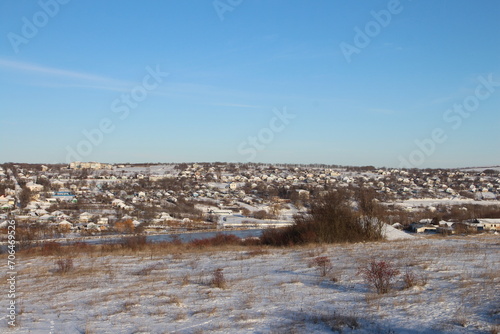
203, 288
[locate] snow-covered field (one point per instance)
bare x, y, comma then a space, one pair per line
267, 290
426, 202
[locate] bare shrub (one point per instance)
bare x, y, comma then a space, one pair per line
461, 318
136, 242
218, 240
332, 219
25, 237
185, 280
338, 322
181, 316
80, 247
261, 214
409, 278
252, 241
51, 248
218, 280
380, 275
289, 236
323, 264
64, 265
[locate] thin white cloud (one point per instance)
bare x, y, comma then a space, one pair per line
56, 72
114, 88
236, 105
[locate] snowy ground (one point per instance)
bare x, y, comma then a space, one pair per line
241, 221
426, 202
268, 290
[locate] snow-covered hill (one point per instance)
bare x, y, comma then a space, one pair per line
268, 290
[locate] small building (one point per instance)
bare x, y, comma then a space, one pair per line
65, 225
63, 195
103, 221
489, 224
422, 227
35, 187
85, 217
220, 212
89, 165
7, 202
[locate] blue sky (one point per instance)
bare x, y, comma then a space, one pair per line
359, 82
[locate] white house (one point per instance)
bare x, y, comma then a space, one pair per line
34, 186
6, 202
489, 224
85, 217
65, 225
103, 221
422, 227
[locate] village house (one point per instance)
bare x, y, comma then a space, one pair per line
34, 186
488, 224
422, 227
88, 165
85, 217
65, 225
64, 195
7, 202
103, 221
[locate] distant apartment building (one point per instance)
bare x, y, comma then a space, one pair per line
88, 165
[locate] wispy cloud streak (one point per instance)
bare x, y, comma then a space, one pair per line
102, 82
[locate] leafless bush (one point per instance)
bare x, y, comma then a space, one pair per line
218, 240
461, 317
185, 279
134, 243
64, 265
332, 219
51, 248
338, 321
409, 278
218, 280
380, 275
261, 214
323, 264
181, 316
423, 279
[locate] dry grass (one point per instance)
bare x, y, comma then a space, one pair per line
495, 329
160, 278
180, 316
174, 300
258, 252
